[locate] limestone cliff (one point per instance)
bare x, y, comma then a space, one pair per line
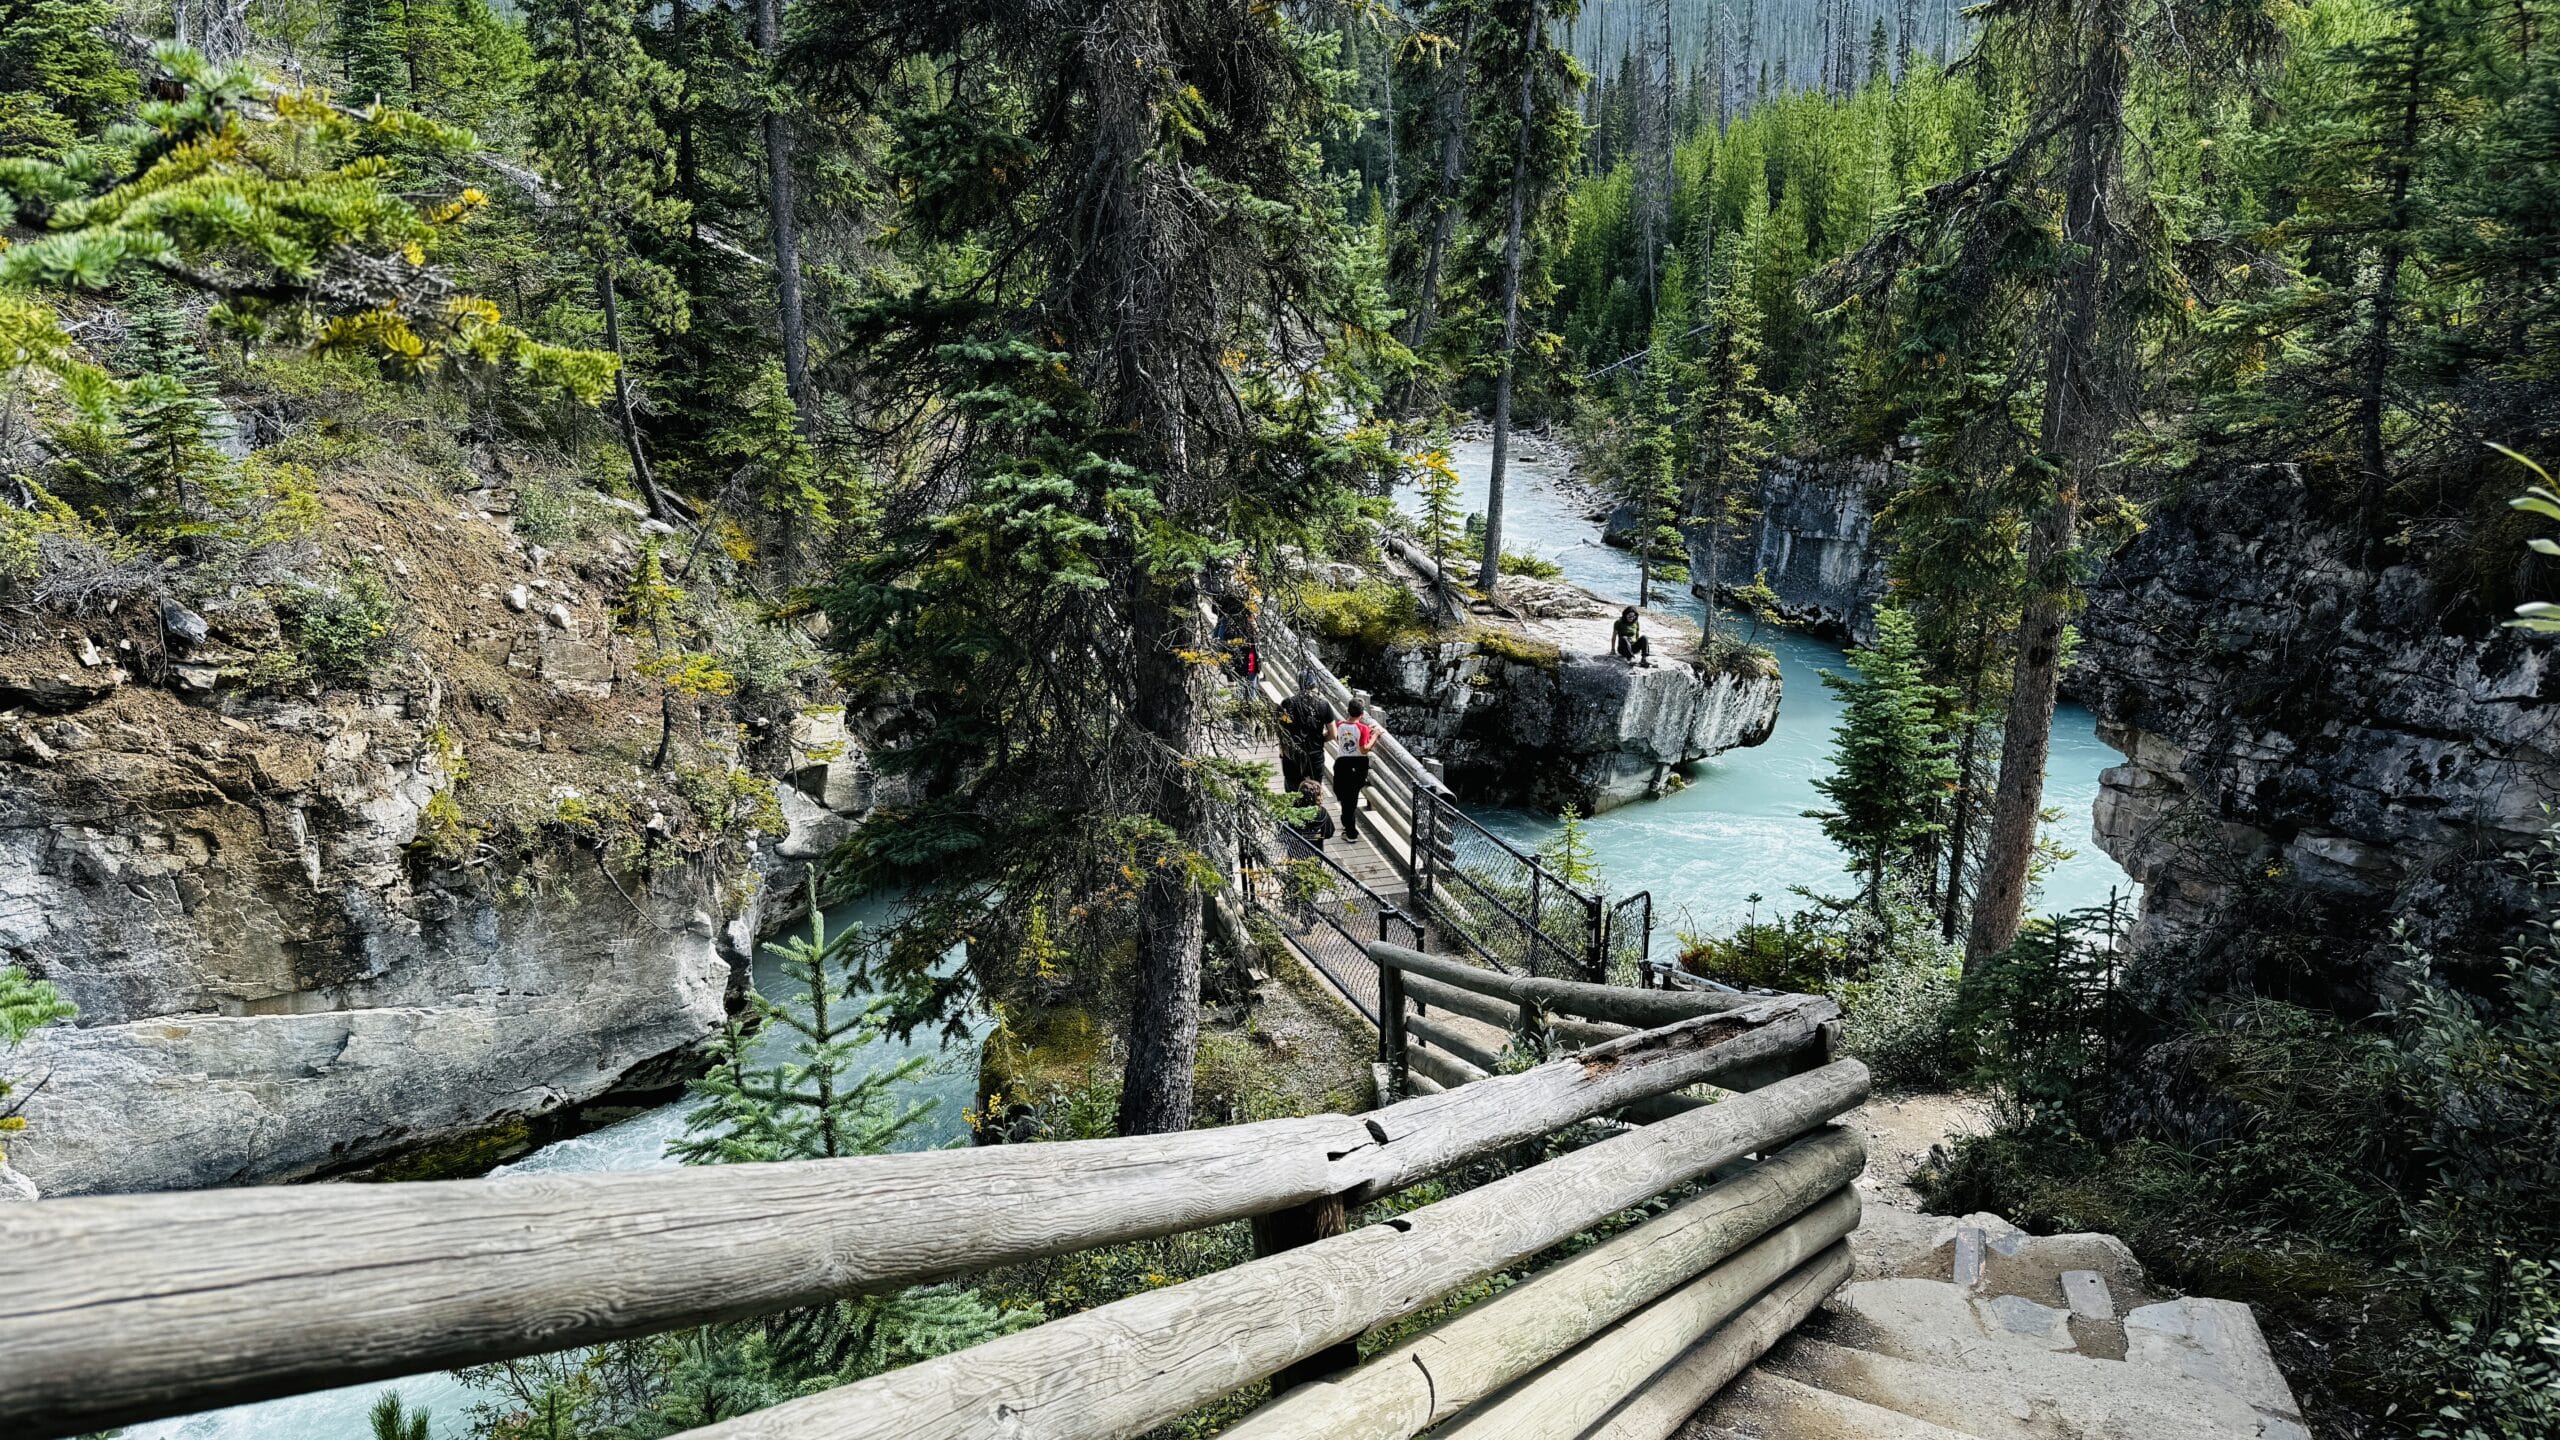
1813, 537
2328, 742
311, 925
1542, 713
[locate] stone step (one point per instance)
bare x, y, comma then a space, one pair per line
1765, 1406
2110, 1401
2195, 1358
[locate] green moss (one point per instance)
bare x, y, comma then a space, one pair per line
460, 1157
1515, 647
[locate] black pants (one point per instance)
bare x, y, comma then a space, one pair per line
1640, 648
1350, 776
1297, 767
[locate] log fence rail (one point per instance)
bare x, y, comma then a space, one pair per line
159, 1305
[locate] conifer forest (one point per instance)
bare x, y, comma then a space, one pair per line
594, 586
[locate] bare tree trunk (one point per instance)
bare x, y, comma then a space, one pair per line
2075, 434
783, 197
625, 418
1968, 762
1532, 41
1164, 1019
1449, 111
2376, 360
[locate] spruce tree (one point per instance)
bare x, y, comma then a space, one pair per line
1890, 764
1650, 484
829, 1100
1726, 431
597, 95
26, 1006
1439, 526
60, 77
1096, 377
176, 485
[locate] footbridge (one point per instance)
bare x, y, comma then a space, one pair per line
1423, 873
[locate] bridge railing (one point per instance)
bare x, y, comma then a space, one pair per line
139, 1307
1505, 902
1329, 913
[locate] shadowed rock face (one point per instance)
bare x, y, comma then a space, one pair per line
2299, 723
1814, 538
271, 986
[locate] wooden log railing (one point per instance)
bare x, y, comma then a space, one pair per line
158, 1305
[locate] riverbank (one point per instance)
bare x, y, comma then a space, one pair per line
1734, 841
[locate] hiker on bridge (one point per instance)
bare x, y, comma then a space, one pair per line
1305, 720
1352, 739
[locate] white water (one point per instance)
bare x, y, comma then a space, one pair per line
638, 1143
1737, 841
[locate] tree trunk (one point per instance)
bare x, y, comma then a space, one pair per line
1164, 1017
783, 197
2376, 364
2075, 434
1532, 42
626, 420
1450, 113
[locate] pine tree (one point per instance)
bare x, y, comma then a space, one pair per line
596, 98
26, 1006
175, 484
391, 1420
1103, 421
1439, 526
1650, 483
830, 1100
1432, 73
1891, 770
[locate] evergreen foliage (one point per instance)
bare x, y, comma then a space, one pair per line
831, 1099
60, 76
26, 1006
1891, 768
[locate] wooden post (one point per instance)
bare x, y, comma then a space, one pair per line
1287, 1230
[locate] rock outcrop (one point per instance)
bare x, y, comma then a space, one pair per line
309, 928
1814, 538
2337, 741
1543, 713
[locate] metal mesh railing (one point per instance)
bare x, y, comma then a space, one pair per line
1630, 939
1511, 907
1330, 915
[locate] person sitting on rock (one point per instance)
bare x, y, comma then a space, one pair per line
1630, 640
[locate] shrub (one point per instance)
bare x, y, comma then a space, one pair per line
341, 632
1367, 617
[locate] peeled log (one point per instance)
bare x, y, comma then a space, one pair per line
1124, 1368
166, 1304
1453, 1040
1643, 1008
1657, 1411
1428, 1379
1566, 1398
